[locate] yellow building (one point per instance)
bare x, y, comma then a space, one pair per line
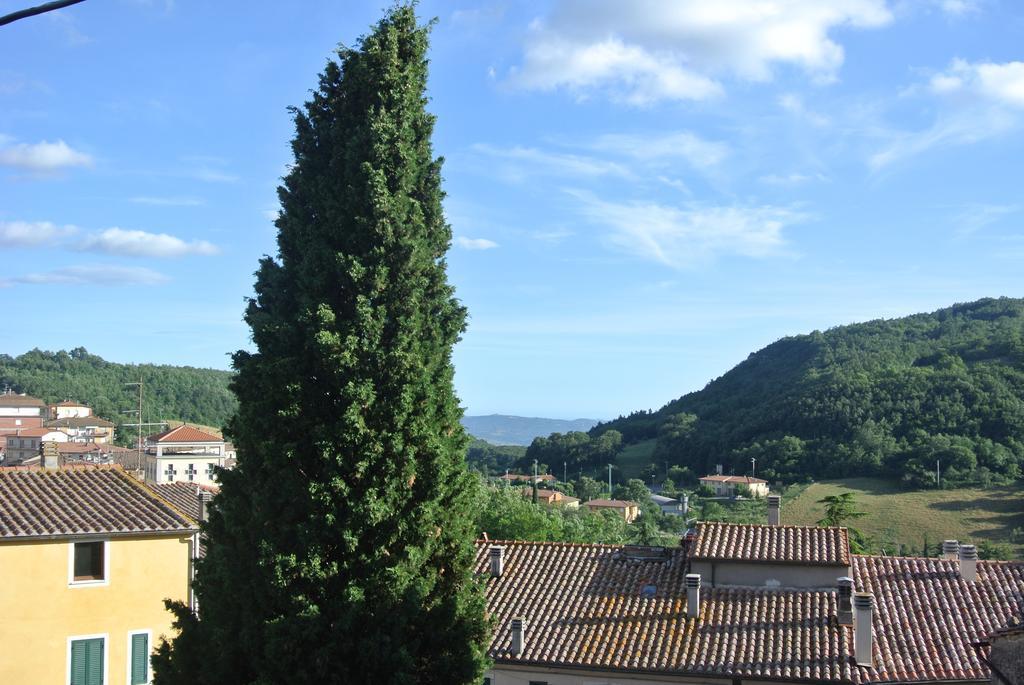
88, 556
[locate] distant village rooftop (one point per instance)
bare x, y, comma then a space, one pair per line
184, 433
737, 480
811, 545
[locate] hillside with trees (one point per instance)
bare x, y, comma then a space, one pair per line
890, 398
184, 393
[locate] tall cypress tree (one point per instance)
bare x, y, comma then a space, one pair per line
340, 548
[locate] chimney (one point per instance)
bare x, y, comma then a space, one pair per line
693, 595
51, 456
968, 562
718, 469
204, 505
950, 549
774, 505
518, 636
686, 504
497, 561
845, 592
863, 604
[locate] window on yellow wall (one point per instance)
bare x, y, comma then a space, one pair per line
90, 562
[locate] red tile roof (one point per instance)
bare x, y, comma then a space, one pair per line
749, 480
81, 501
184, 433
926, 616
183, 496
771, 544
613, 503
12, 400
591, 606
30, 433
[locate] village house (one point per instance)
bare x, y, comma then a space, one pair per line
725, 486
25, 444
89, 555
185, 454
738, 604
19, 412
629, 511
68, 409
551, 498
523, 478
672, 507
84, 428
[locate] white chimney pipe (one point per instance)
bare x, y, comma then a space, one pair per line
518, 637
968, 562
718, 469
950, 549
774, 507
863, 639
845, 593
693, 595
497, 561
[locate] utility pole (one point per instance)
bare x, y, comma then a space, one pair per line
938, 478
753, 467
565, 471
609, 481
535, 481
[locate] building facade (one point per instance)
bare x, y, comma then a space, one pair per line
184, 454
84, 429
18, 412
725, 486
88, 561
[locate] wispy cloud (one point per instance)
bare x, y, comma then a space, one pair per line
523, 162
43, 157
792, 179
474, 243
977, 101
632, 52
90, 274
664, 146
976, 217
32, 233
684, 236
118, 241
168, 201
210, 175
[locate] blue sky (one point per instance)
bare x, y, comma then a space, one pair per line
641, 193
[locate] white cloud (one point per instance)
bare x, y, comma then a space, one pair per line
526, 161
213, 175
168, 201
680, 237
794, 104
32, 233
119, 241
978, 101
976, 217
791, 179
676, 145
475, 243
91, 274
957, 8
43, 157
645, 51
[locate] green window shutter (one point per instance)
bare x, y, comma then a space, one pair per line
87, 662
140, 659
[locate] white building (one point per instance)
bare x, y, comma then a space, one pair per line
183, 454
18, 412
69, 410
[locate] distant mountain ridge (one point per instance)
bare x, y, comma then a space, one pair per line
502, 429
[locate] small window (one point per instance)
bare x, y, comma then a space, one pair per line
88, 564
538, 682
139, 659
487, 681
87, 662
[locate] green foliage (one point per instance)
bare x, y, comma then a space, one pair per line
884, 398
180, 393
839, 509
505, 514
341, 547
492, 460
577, 450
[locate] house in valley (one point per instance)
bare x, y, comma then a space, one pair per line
184, 453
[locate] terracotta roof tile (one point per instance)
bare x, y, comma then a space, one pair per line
734, 479
184, 496
772, 544
926, 616
80, 422
592, 606
80, 501
12, 400
614, 503
184, 433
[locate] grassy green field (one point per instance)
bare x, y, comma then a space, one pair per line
896, 516
634, 461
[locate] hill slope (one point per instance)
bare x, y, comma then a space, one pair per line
171, 392
499, 429
887, 397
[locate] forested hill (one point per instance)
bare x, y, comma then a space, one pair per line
887, 397
171, 392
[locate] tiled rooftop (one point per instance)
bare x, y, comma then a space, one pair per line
926, 616
184, 496
590, 606
749, 480
80, 501
184, 433
772, 544
595, 607
613, 503
80, 422
12, 400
